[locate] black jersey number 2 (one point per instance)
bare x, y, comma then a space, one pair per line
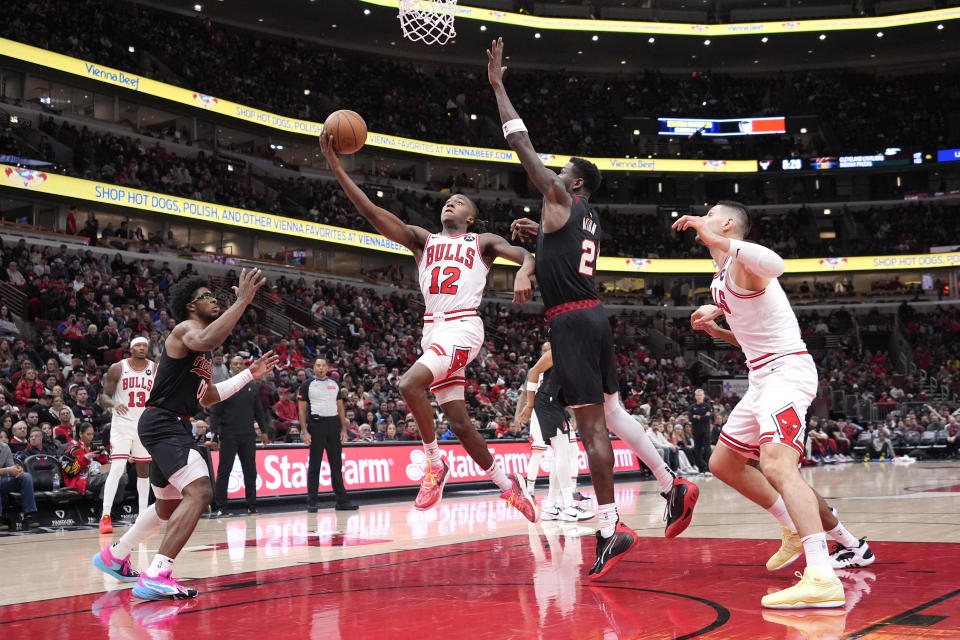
449, 284
589, 257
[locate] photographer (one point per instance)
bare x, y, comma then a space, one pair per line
86, 464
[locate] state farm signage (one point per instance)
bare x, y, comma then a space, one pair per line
284, 471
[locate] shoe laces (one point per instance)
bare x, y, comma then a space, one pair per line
430, 477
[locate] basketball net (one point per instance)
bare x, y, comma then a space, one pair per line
429, 21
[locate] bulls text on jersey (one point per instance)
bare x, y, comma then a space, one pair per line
455, 251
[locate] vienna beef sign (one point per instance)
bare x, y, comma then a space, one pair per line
283, 471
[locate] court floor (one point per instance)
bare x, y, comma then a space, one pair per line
474, 568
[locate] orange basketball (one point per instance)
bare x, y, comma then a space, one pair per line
348, 129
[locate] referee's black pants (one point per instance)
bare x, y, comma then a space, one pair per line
230, 446
325, 436
701, 449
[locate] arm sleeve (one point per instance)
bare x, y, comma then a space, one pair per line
760, 260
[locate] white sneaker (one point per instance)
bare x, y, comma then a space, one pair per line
853, 558
570, 514
550, 513
584, 514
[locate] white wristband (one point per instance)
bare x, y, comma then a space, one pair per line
532, 386
513, 126
231, 385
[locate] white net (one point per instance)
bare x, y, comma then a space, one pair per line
429, 21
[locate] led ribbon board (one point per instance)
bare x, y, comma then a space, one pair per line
161, 204
688, 29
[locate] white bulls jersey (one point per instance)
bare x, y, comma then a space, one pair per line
133, 389
452, 273
762, 321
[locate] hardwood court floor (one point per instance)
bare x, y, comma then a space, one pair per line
473, 568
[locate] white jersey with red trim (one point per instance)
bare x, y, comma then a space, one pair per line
452, 273
762, 321
133, 389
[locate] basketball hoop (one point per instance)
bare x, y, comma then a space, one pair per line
429, 21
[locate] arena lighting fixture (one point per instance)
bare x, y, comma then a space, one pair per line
826, 212
674, 214
595, 37
706, 42
764, 39
651, 39
473, 116
306, 92
366, 12
526, 209
623, 62
198, 7
483, 27
537, 35
939, 27
379, 193
803, 129
879, 34
823, 36
636, 132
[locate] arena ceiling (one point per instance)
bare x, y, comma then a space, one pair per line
357, 25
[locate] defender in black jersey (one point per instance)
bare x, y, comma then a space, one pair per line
181, 482
568, 239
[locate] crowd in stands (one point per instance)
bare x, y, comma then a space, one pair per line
51, 369
565, 111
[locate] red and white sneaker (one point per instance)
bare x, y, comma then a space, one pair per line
431, 485
106, 524
681, 499
517, 497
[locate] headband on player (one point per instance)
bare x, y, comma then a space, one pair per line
139, 340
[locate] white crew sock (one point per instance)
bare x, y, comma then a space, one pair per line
498, 476
779, 511
160, 564
815, 551
117, 469
533, 468
560, 469
147, 524
432, 450
844, 537
143, 493
632, 433
608, 519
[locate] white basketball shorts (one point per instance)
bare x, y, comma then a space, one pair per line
448, 347
124, 441
774, 408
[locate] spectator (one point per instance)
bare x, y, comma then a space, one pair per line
29, 389
881, 447
38, 445
14, 478
85, 468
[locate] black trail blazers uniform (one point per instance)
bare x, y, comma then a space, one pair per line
583, 358
546, 404
165, 429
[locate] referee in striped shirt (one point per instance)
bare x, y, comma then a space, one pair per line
325, 429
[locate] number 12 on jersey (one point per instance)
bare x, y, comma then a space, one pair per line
449, 284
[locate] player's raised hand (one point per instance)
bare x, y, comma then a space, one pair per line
522, 289
704, 316
698, 224
250, 283
524, 227
495, 68
326, 147
264, 365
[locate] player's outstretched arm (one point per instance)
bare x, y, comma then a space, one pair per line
222, 390
493, 245
196, 338
410, 236
546, 181
761, 262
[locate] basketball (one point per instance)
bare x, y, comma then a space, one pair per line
348, 129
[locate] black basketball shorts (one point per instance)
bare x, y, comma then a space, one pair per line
583, 356
550, 414
168, 438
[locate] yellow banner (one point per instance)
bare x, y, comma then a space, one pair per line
162, 204
688, 29
223, 107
